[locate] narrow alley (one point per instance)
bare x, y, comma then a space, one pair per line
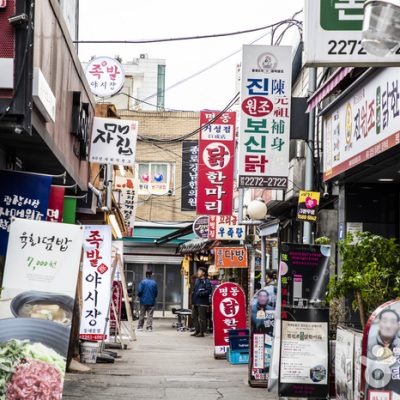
165, 364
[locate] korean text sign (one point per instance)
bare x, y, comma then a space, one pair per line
96, 287
307, 209
365, 125
56, 204
225, 227
265, 117
190, 169
216, 163
231, 257
21, 196
113, 141
229, 312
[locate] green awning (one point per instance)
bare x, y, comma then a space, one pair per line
152, 234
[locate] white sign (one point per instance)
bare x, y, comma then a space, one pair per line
43, 96
105, 75
358, 390
304, 353
344, 364
113, 141
265, 116
117, 251
96, 281
42, 256
333, 33
365, 125
225, 227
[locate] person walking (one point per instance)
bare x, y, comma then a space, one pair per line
200, 302
147, 294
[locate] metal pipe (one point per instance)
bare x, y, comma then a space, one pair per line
263, 260
309, 173
109, 180
252, 272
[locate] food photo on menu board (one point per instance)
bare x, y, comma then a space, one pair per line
36, 308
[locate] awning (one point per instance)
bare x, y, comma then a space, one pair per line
328, 87
194, 246
187, 230
270, 229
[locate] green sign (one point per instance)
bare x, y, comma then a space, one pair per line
342, 15
69, 211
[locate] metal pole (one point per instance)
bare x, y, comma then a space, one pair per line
109, 179
252, 271
309, 173
263, 260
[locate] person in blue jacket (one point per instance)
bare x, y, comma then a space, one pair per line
147, 294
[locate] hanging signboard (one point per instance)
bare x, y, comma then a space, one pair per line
381, 350
365, 125
231, 257
126, 195
56, 204
105, 75
344, 364
96, 282
113, 141
190, 169
262, 335
265, 117
229, 312
216, 163
36, 307
307, 209
338, 26
200, 227
225, 228
21, 196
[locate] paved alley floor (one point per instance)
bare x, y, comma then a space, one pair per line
165, 364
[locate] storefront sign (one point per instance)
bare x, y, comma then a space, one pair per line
21, 196
229, 312
105, 75
265, 117
231, 257
216, 163
36, 307
200, 227
262, 335
43, 97
381, 350
126, 195
117, 302
344, 364
96, 280
225, 228
56, 204
190, 169
364, 126
113, 141
338, 26
308, 206
155, 178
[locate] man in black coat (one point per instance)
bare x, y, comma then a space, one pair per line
200, 302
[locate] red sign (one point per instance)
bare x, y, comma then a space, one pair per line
216, 163
56, 203
117, 301
229, 312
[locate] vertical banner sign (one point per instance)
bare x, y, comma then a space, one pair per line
344, 364
126, 195
190, 169
21, 196
36, 307
225, 227
229, 312
117, 302
262, 335
56, 204
307, 209
216, 163
113, 141
381, 350
96, 287
265, 117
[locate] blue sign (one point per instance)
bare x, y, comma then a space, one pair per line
21, 196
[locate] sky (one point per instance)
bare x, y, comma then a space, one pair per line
148, 19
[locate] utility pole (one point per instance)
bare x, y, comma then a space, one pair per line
309, 173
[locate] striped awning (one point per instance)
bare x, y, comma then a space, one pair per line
328, 87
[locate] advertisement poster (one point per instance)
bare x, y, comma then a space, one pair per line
96, 287
113, 141
225, 227
216, 163
344, 364
116, 295
264, 135
229, 312
358, 338
56, 204
307, 209
262, 325
382, 339
21, 196
190, 170
231, 257
36, 307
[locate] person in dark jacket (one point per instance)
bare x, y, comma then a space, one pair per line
147, 294
200, 302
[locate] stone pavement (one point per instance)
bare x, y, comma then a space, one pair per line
165, 364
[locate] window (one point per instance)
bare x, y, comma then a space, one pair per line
156, 178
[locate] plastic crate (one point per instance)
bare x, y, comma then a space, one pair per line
239, 357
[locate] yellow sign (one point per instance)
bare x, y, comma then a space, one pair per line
307, 209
